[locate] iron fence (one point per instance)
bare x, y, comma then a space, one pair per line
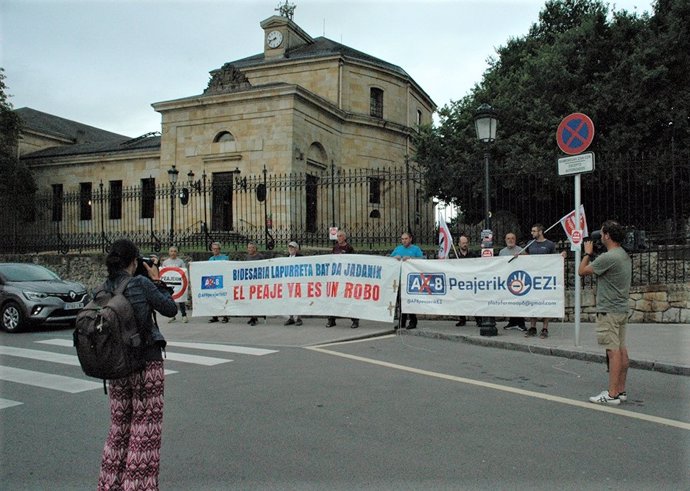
649, 195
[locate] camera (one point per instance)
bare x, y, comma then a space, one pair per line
595, 237
141, 269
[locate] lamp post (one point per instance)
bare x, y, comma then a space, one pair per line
172, 177
485, 123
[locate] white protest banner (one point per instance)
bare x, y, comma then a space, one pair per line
352, 285
177, 279
529, 286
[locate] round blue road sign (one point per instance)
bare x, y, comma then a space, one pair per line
575, 133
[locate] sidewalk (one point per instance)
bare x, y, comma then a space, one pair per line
659, 347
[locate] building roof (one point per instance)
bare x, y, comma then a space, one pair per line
320, 48
63, 128
124, 144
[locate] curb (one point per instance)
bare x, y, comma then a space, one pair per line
491, 342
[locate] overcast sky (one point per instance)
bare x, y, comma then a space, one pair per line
104, 62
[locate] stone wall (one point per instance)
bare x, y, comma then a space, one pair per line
649, 304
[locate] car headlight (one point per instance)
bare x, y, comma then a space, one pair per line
35, 296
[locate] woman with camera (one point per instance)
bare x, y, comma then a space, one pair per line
131, 455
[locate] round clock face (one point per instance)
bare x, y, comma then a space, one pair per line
274, 39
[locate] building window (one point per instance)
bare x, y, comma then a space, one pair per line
85, 201
57, 202
419, 117
148, 197
374, 190
115, 200
376, 103
224, 136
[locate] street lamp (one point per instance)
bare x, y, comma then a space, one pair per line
172, 177
485, 123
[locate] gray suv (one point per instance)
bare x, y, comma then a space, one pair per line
32, 294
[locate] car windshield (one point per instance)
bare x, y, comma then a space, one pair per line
26, 272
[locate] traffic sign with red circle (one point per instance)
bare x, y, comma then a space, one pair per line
576, 237
575, 133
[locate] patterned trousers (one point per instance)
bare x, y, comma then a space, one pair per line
131, 456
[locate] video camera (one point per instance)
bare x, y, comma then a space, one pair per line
635, 240
141, 269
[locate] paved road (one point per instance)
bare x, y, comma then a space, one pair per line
390, 412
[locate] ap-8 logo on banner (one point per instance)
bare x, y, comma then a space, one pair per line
212, 282
426, 284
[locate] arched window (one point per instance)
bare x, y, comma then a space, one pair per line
376, 102
224, 136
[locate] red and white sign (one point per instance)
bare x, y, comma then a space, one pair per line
333, 233
177, 279
576, 238
488, 252
569, 225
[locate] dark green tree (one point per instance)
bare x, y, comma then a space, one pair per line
626, 71
17, 186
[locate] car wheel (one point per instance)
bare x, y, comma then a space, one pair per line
12, 317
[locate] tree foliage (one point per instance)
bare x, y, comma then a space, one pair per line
17, 184
628, 72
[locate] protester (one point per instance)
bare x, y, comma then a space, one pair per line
176, 262
614, 274
253, 255
217, 256
512, 249
403, 252
540, 245
293, 251
464, 252
342, 246
131, 455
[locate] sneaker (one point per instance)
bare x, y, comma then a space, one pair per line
184, 319
355, 324
623, 396
461, 322
411, 325
171, 320
298, 322
605, 398
521, 328
532, 331
330, 323
213, 319
289, 322
253, 321
510, 327
544, 333
224, 320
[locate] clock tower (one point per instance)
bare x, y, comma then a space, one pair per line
281, 35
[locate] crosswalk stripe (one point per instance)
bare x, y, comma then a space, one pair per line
223, 347
196, 359
47, 380
40, 355
200, 346
8, 403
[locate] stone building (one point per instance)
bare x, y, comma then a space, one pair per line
303, 107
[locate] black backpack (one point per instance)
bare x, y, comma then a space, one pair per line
109, 342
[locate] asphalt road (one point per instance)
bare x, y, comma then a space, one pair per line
388, 413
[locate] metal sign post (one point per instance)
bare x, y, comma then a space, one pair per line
574, 135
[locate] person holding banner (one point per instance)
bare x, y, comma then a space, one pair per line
293, 251
217, 256
403, 252
463, 252
512, 249
539, 245
176, 262
614, 274
253, 255
342, 246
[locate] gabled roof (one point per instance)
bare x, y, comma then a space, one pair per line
320, 48
63, 128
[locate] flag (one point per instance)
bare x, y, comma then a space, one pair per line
568, 223
445, 240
